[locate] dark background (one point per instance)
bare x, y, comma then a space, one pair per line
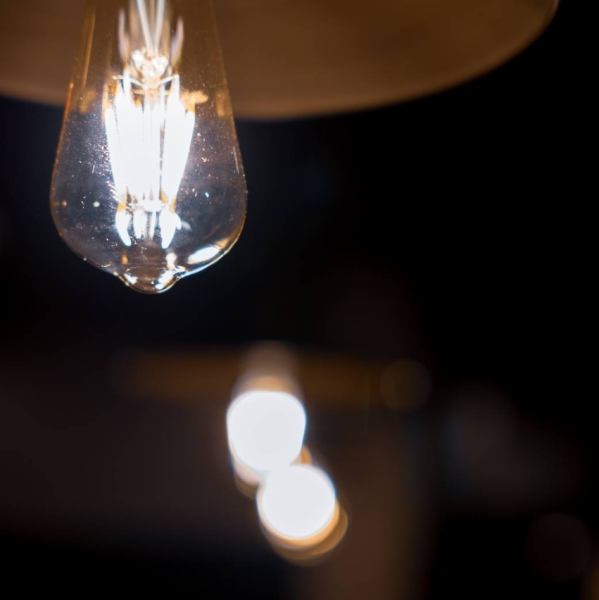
446, 230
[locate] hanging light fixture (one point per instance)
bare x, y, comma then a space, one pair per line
148, 183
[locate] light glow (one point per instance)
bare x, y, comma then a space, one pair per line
147, 172
148, 131
265, 431
298, 504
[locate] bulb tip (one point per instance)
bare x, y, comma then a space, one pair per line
149, 284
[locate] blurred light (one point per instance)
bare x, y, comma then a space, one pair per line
269, 366
266, 432
266, 424
298, 505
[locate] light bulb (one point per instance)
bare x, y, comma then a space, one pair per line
148, 183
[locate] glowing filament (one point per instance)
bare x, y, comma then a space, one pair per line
148, 130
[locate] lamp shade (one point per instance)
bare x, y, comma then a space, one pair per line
291, 58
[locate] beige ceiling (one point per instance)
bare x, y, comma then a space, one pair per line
288, 58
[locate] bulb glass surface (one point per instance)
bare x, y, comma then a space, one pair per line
148, 183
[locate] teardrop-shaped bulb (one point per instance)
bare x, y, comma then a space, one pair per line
148, 183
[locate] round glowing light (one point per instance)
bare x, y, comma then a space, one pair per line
298, 504
266, 429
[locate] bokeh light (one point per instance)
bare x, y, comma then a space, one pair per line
298, 504
266, 431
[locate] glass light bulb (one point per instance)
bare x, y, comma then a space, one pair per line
148, 183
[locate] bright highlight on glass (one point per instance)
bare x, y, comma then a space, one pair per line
298, 504
148, 183
265, 430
